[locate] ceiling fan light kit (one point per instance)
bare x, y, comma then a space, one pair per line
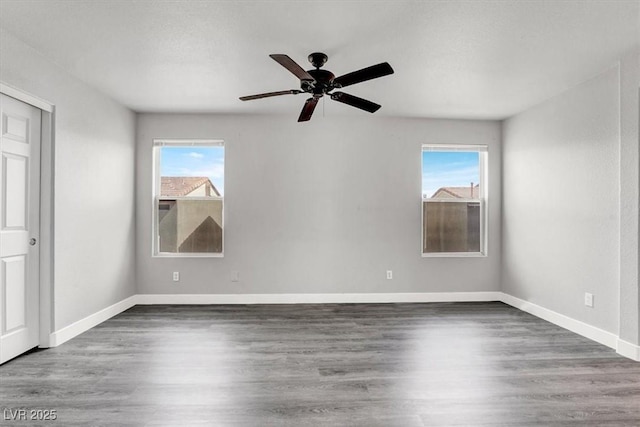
319, 82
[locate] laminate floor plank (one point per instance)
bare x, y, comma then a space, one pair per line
405, 365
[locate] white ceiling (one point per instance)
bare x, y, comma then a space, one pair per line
458, 59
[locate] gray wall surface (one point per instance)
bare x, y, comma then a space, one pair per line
629, 197
320, 207
94, 265
561, 194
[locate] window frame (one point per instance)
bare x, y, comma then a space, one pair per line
158, 143
483, 166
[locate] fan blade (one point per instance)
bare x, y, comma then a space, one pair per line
268, 94
373, 72
354, 101
292, 66
307, 110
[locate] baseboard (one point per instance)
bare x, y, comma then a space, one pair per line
580, 328
149, 299
73, 330
629, 350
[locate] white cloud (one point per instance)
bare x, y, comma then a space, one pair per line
194, 155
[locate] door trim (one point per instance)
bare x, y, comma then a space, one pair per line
47, 157
26, 97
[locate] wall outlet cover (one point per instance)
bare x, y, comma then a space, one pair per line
588, 299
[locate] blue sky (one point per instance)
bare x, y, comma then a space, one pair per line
449, 169
194, 161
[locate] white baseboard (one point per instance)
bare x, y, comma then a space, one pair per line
83, 325
149, 299
580, 328
629, 350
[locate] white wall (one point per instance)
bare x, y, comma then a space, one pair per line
94, 263
561, 194
320, 207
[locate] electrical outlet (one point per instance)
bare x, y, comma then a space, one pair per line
176, 276
235, 276
588, 299
389, 274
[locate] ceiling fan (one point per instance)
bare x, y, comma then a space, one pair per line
321, 82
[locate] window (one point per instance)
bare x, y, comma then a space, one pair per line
188, 197
454, 200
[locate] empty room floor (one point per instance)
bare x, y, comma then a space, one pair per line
406, 365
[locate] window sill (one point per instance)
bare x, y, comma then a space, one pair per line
454, 255
188, 255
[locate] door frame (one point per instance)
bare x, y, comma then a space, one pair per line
47, 157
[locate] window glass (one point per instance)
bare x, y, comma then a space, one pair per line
453, 194
450, 173
189, 200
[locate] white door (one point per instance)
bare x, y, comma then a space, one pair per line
19, 227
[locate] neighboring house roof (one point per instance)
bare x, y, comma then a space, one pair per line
178, 186
457, 192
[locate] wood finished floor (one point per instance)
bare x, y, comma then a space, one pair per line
402, 365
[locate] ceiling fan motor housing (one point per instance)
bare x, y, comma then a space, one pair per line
323, 83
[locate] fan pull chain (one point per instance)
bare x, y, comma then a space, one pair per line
323, 99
